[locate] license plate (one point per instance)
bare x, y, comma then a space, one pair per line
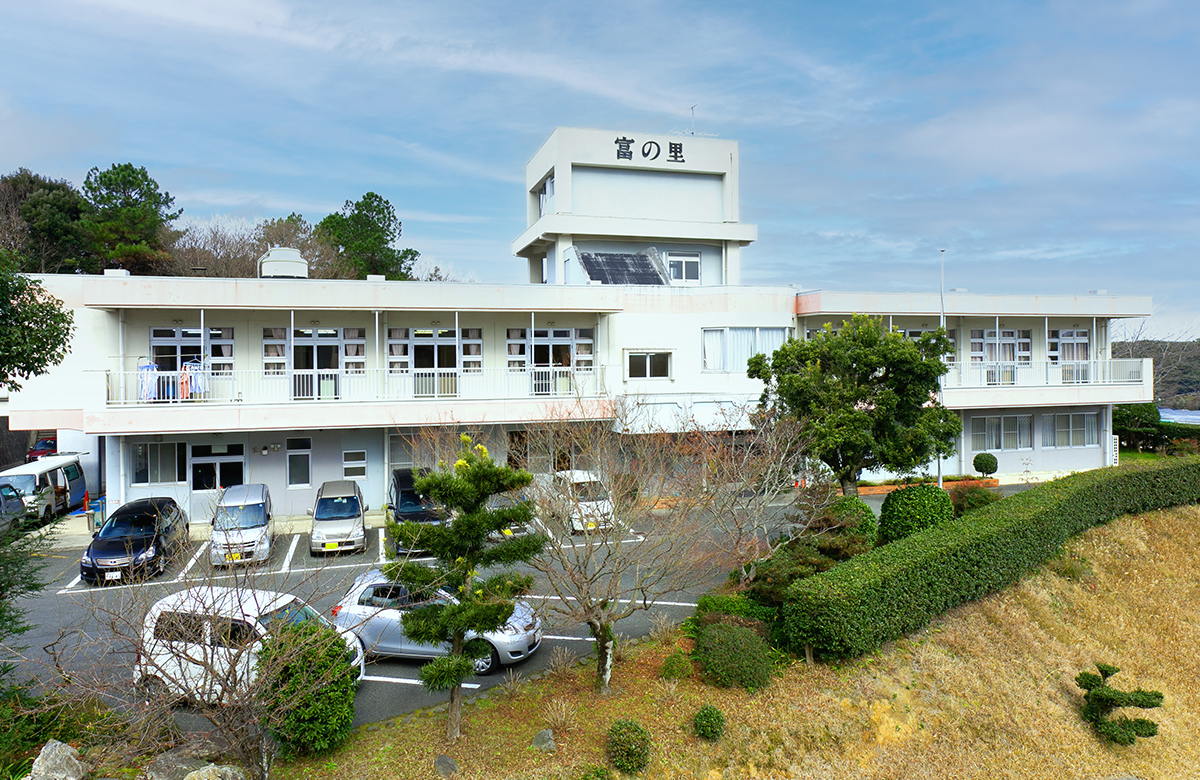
233, 556
331, 545
112, 575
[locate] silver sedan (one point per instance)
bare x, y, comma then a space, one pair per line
374, 606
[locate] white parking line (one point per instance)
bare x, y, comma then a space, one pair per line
572, 598
405, 681
382, 536
74, 582
287, 562
570, 638
191, 563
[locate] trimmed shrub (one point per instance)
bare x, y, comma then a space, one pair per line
594, 772
969, 496
628, 745
309, 681
858, 605
709, 723
985, 463
1101, 699
855, 517
911, 509
676, 666
735, 604
733, 656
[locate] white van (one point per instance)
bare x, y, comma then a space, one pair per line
49, 486
572, 497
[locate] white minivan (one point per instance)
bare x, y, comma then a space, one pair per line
243, 526
572, 497
203, 643
49, 486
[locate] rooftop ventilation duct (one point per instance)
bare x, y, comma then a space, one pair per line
282, 263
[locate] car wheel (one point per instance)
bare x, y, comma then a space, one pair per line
154, 692
48, 515
488, 663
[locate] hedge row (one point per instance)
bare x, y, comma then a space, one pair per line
873, 598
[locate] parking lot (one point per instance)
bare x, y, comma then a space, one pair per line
70, 611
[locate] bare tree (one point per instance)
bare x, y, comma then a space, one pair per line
626, 532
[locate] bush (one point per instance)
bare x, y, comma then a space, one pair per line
628, 745
309, 683
969, 496
1101, 699
733, 656
858, 605
709, 723
911, 509
676, 666
855, 517
985, 463
594, 772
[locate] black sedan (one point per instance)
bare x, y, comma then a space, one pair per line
137, 539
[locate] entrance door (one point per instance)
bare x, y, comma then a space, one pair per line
315, 363
435, 362
213, 468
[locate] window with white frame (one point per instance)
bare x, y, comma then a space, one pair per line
471, 341
274, 351
649, 365
354, 464
683, 268
729, 349
299, 462
1067, 345
354, 350
568, 348
1078, 429
159, 463
171, 348
1002, 433
1010, 346
517, 348
399, 351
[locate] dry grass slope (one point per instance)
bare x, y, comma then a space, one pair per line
986, 692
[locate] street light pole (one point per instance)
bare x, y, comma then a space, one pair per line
941, 324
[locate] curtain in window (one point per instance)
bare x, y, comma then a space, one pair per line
771, 339
741, 348
714, 350
978, 434
1089, 430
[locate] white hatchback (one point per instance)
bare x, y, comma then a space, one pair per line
202, 643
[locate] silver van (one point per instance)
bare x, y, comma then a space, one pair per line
243, 527
48, 486
339, 518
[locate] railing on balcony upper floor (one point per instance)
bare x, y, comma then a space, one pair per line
150, 386
1044, 373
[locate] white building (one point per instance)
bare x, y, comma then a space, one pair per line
192, 384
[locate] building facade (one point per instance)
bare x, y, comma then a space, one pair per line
633, 251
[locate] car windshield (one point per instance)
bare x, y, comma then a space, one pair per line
22, 483
128, 525
339, 508
291, 614
409, 501
590, 491
44, 444
233, 518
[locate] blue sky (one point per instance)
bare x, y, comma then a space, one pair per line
1047, 146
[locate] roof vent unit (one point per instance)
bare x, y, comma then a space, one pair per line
282, 263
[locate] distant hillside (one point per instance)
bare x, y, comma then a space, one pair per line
1176, 369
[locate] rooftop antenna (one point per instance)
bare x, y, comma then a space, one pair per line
693, 110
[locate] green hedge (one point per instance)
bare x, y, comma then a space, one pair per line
861, 603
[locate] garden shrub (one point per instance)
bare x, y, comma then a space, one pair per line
985, 463
1100, 700
911, 509
733, 656
969, 496
628, 745
856, 517
309, 681
858, 605
595, 772
709, 723
676, 666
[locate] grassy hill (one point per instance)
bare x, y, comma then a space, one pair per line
988, 691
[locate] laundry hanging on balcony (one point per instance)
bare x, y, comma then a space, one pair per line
147, 374
193, 379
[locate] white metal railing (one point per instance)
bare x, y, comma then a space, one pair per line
1044, 373
150, 386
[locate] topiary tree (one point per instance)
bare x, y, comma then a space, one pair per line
733, 656
676, 666
855, 517
1100, 700
911, 509
985, 463
709, 723
471, 541
628, 745
309, 683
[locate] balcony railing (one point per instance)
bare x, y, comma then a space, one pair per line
149, 386
1044, 374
